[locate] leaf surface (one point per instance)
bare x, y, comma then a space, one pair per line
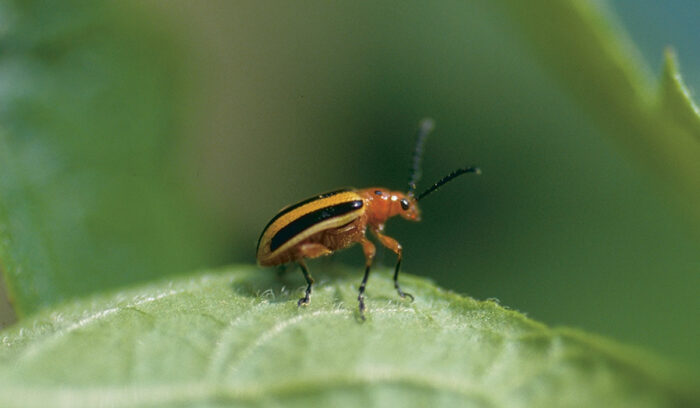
237, 338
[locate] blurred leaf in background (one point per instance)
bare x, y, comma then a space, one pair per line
90, 193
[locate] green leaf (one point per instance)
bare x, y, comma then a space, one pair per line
654, 122
674, 97
237, 338
89, 196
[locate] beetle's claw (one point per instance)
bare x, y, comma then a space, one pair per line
303, 301
405, 295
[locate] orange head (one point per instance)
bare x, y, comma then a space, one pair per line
383, 204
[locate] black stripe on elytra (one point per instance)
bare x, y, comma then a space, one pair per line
300, 224
297, 205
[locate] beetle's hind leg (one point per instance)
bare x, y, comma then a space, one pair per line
309, 250
309, 281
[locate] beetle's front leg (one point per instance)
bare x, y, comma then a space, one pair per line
369, 250
395, 247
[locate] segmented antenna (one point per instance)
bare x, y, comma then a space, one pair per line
447, 178
426, 126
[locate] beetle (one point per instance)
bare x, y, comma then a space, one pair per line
337, 219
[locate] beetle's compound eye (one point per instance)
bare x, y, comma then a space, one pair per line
378, 192
404, 204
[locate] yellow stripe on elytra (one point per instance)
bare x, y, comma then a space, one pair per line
305, 209
321, 226
336, 199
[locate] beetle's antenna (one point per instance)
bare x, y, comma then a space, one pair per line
447, 178
426, 126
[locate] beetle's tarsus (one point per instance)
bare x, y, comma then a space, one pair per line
361, 300
405, 295
401, 293
361, 294
309, 281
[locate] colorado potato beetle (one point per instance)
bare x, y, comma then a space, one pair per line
337, 219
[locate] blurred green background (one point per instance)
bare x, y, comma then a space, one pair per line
277, 101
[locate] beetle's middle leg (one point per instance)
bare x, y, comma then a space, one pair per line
395, 247
309, 251
369, 249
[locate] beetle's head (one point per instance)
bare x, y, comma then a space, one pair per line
386, 204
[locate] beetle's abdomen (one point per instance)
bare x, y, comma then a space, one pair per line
305, 219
